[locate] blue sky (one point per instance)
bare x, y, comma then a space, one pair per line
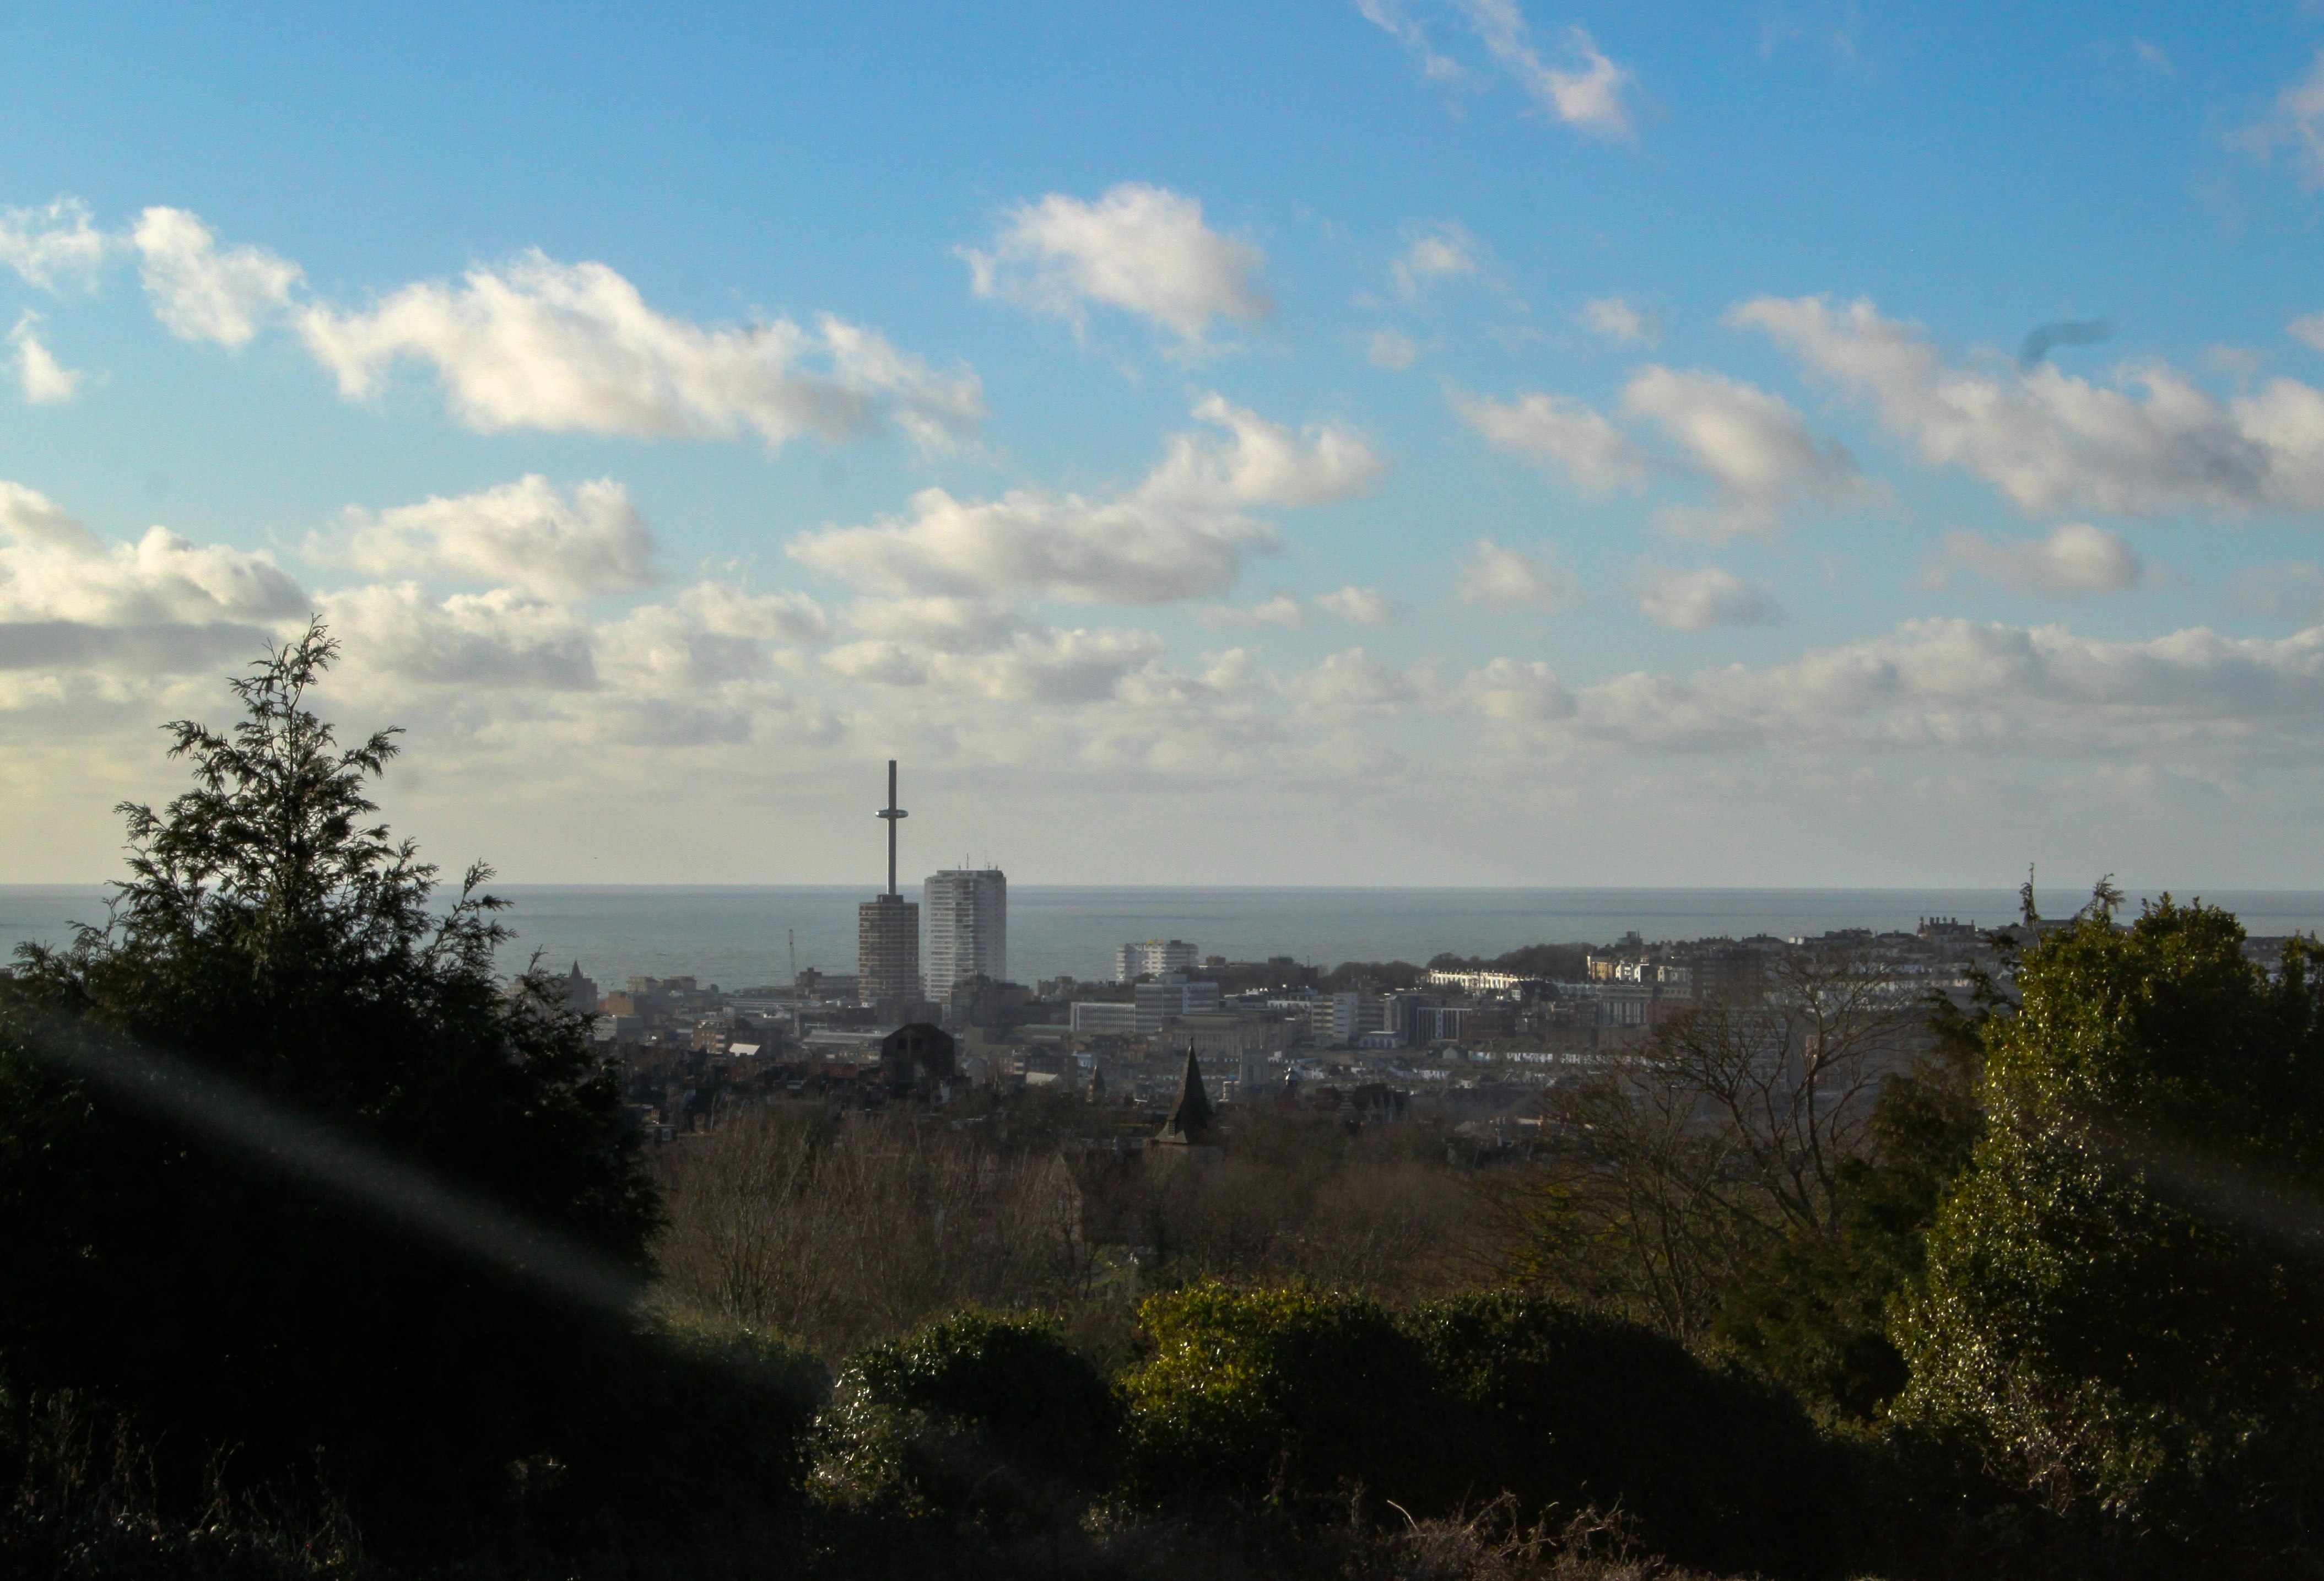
1456, 442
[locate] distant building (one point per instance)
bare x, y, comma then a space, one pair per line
1484, 982
965, 911
917, 1059
1345, 1018
980, 1002
888, 932
812, 984
1105, 1016
887, 951
1152, 1007
1153, 958
580, 993
1171, 995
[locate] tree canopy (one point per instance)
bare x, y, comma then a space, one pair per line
2124, 1306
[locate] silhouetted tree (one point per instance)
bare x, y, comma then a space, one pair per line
265, 1136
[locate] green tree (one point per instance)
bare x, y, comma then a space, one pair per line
2122, 1315
208, 1266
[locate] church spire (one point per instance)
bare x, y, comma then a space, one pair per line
1190, 1122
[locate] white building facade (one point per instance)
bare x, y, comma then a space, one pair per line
1156, 958
965, 913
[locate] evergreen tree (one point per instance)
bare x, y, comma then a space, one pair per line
263, 1133
2124, 1307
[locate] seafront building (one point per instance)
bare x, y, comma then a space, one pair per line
965, 913
1156, 958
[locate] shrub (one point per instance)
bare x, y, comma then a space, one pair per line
1565, 1408
977, 1413
1284, 1394
687, 1418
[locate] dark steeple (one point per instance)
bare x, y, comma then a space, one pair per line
1190, 1122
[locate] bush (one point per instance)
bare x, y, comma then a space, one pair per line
993, 1417
1570, 1408
1284, 1394
688, 1420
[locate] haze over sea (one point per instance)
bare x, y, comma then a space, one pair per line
738, 935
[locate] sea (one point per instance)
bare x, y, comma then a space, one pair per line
750, 936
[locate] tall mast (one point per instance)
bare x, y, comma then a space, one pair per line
891, 813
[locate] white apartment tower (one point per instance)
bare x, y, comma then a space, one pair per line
964, 913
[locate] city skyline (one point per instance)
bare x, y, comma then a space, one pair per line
1405, 441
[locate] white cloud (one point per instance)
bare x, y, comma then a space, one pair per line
202, 293
1264, 463
2151, 56
954, 624
1588, 90
2296, 123
709, 634
1956, 686
1049, 666
2074, 557
1543, 429
54, 246
1594, 97
46, 380
2309, 330
1517, 690
882, 663
1181, 533
724, 609
1703, 598
1028, 542
503, 640
1510, 579
1752, 445
522, 534
53, 568
1350, 681
1621, 321
1395, 17
1440, 253
1282, 610
573, 348
1392, 349
1141, 248
1359, 606
2054, 443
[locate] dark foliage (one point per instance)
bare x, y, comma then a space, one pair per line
1560, 963
1568, 1409
977, 1413
2122, 1320
196, 1268
1283, 1394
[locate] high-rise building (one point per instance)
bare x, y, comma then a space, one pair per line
1153, 958
888, 932
965, 911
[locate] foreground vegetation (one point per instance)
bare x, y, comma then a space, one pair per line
326, 1254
